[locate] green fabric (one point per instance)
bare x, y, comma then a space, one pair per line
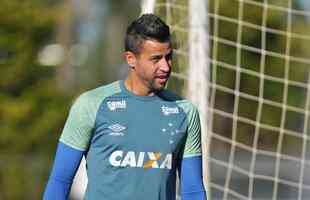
81, 120
193, 140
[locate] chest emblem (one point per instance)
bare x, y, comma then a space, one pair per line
169, 110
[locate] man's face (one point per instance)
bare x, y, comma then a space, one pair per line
153, 64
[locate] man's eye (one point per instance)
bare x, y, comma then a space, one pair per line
155, 59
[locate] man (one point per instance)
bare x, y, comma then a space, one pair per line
134, 134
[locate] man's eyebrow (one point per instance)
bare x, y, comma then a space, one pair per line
158, 56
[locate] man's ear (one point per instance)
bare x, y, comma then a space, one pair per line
130, 58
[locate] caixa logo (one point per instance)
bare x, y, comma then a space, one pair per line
141, 159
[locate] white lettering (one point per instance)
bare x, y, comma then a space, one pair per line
113, 105
169, 110
167, 163
122, 159
116, 158
129, 159
140, 159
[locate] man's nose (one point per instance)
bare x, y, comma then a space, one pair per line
165, 65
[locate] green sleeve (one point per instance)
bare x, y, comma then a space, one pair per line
81, 120
193, 139
79, 124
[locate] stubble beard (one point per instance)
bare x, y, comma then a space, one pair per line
156, 87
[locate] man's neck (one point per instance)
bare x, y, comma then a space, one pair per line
137, 86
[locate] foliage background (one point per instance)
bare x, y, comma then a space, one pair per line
35, 99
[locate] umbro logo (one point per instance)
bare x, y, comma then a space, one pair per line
116, 134
114, 105
116, 130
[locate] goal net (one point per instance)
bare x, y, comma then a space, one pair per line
246, 64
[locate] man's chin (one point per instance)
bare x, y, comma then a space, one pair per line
159, 86
162, 86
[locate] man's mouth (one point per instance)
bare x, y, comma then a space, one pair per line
162, 78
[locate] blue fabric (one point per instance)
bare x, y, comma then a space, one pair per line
191, 179
66, 163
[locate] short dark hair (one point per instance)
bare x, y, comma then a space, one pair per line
146, 27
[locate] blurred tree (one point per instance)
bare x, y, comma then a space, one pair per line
33, 103
102, 29
32, 108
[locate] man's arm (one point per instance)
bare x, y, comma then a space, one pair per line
192, 187
66, 163
191, 179
73, 143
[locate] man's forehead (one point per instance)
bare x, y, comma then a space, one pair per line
153, 46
